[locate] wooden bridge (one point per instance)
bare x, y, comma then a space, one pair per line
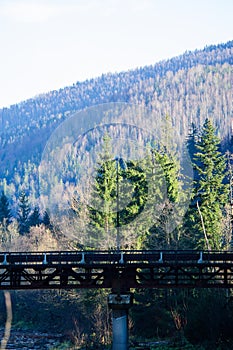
118, 270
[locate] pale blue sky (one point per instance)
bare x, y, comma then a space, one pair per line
49, 44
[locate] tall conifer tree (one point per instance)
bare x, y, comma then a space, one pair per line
160, 235
210, 190
35, 219
5, 213
103, 197
23, 213
118, 197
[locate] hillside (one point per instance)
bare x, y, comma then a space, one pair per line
188, 88
147, 202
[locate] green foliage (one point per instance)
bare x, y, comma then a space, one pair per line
103, 198
46, 220
66, 345
23, 213
119, 193
135, 192
34, 218
210, 190
120, 196
5, 212
160, 235
176, 86
179, 347
210, 319
151, 316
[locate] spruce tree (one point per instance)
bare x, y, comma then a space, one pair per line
46, 220
103, 199
160, 234
210, 190
23, 213
5, 213
134, 189
118, 196
164, 231
34, 218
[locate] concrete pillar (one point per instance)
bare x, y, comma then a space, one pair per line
120, 330
120, 304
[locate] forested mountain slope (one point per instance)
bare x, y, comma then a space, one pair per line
156, 211
189, 88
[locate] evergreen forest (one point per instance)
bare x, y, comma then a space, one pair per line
152, 201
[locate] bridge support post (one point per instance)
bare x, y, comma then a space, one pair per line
120, 304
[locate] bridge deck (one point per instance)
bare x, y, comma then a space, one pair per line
119, 271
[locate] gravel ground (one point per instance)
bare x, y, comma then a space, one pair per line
29, 340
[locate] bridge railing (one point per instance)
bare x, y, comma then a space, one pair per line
115, 257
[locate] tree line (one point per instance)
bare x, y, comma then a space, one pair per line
26, 216
206, 224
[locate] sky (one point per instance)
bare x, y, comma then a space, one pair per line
49, 44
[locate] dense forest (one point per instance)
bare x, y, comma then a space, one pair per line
152, 201
189, 88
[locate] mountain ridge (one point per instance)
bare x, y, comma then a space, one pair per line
169, 63
189, 87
